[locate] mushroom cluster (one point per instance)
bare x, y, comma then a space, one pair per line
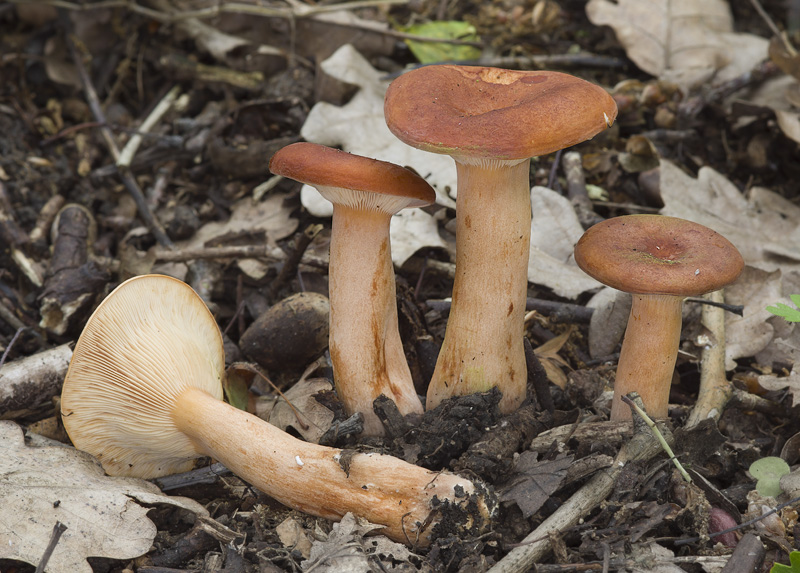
143, 394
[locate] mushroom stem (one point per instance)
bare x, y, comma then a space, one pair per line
313, 479
365, 346
648, 354
483, 344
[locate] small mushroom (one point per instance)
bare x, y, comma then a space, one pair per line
660, 260
365, 346
491, 121
143, 395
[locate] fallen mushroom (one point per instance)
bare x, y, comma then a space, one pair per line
491, 121
660, 260
143, 395
365, 346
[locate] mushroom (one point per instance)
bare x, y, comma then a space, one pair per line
660, 260
364, 341
143, 395
491, 122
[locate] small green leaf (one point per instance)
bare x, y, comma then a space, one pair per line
430, 52
787, 312
768, 471
794, 559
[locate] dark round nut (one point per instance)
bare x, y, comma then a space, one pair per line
290, 334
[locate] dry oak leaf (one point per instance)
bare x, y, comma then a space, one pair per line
682, 41
42, 485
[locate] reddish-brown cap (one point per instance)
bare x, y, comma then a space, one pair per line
482, 112
653, 254
325, 167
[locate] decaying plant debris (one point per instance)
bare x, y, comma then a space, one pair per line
135, 138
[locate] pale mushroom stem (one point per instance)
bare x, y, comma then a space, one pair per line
648, 354
365, 346
308, 477
483, 343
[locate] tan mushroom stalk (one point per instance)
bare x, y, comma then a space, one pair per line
365, 346
660, 260
143, 395
491, 122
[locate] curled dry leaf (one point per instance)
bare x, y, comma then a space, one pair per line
683, 41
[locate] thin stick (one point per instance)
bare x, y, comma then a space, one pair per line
58, 531
97, 111
163, 106
653, 428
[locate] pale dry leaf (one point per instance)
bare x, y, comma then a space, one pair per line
302, 395
765, 227
554, 231
359, 126
790, 382
682, 41
780, 95
294, 537
103, 515
270, 218
609, 321
343, 551
751, 333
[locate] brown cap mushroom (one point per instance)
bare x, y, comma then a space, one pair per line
491, 121
365, 346
142, 394
660, 260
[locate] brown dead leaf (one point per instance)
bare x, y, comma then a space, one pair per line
314, 418
103, 515
682, 41
551, 361
534, 482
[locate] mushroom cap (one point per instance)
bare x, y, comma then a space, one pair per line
654, 254
378, 184
148, 341
479, 112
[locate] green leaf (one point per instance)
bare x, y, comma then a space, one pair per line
787, 312
768, 471
794, 559
430, 52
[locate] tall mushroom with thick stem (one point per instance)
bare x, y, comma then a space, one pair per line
143, 395
660, 260
491, 121
365, 346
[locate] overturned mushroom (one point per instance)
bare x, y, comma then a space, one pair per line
660, 260
491, 121
143, 395
366, 350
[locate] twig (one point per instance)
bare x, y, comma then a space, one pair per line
715, 389
576, 189
10, 344
97, 111
297, 11
10, 318
58, 531
163, 106
653, 428
734, 308
290, 266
